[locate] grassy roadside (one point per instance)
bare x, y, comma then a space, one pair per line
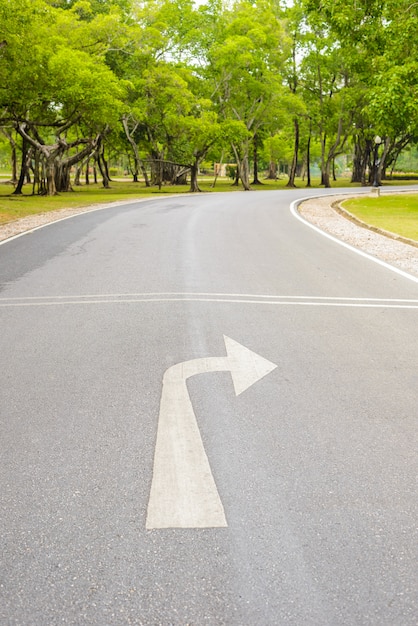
397, 214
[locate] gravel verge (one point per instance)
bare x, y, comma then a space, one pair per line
326, 213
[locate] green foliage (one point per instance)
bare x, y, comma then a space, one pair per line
190, 81
60, 65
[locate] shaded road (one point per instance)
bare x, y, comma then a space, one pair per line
315, 464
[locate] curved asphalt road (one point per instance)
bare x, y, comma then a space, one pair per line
315, 464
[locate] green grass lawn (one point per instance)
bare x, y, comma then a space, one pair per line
396, 214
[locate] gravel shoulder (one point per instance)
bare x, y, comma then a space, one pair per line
325, 213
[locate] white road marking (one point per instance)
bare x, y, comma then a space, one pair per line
208, 294
183, 491
136, 298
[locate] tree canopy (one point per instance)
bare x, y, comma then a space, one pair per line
169, 82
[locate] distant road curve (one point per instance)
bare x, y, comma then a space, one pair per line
314, 209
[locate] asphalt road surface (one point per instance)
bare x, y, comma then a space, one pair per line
208, 416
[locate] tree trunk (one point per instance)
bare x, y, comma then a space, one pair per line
21, 181
326, 176
87, 179
245, 173
78, 172
38, 186
194, 170
103, 171
323, 160
50, 168
84, 163
62, 177
362, 148
357, 173
169, 173
292, 174
243, 167
138, 161
326, 173
145, 174
272, 172
256, 180
105, 166
308, 160
99, 160
336, 148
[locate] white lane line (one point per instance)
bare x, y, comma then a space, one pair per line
183, 490
366, 255
206, 294
365, 305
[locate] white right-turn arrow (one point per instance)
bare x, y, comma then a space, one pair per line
183, 490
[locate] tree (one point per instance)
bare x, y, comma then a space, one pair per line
244, 67
377, 39
81, 77
328, 92
70, 97
203, 133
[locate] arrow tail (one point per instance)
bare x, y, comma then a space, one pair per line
183, 491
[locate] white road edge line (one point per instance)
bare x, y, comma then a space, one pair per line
293, 209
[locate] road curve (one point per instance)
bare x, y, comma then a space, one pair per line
315, 463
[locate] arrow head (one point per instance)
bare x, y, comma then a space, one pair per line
247, 367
